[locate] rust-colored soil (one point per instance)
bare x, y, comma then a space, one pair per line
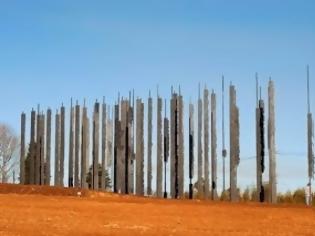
53, 211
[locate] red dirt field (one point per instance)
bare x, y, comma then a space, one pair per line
55, 211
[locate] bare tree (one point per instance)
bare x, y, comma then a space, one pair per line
8, 147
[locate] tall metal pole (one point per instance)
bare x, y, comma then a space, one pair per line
77, 146
116, 143
159, 174
260, 144
37, 156
200, 162
48, 148
149, 173
62, 144
22, 151
224, 151
272, 143
310, 133
71, 147
57, 149
140, 150
42, 149
191, 150
234, 145
181, 158
176, 150
166, 149
103, 177
32, 148
214, 194
84, 148
96, 118
206, 142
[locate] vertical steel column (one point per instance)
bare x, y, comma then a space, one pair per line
214, 193
149, 143
77, 147
96, 118
22, 150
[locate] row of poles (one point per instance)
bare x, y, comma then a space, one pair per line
121, 146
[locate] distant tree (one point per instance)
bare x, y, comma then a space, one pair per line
246, 195
108, 181
299, 196
8, 146
203, 184
225, 195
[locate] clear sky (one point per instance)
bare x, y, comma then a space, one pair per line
53, 50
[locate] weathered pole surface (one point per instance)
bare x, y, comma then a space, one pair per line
62, 144
200, 161
159, 159
310, 135
96, 126
260, 144
116, 144
37, 158
131, 142
224, 151
214, 193
109, 138
22, 151
181, 179
103, 184
176, 156
77, 147
48, 148
130, 155
84, 149
88, 144
140, 149
149, 148
173, 144
123, 149
272, 144
206, 141
57, 149
166, 148
125, 160
234, 145
42, 149
32, 149
71, 147
258, 151
191, 150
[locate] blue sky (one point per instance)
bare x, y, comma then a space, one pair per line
53, 50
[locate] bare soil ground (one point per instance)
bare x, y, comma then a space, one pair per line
55, 211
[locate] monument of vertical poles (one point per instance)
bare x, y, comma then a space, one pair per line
108, 148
